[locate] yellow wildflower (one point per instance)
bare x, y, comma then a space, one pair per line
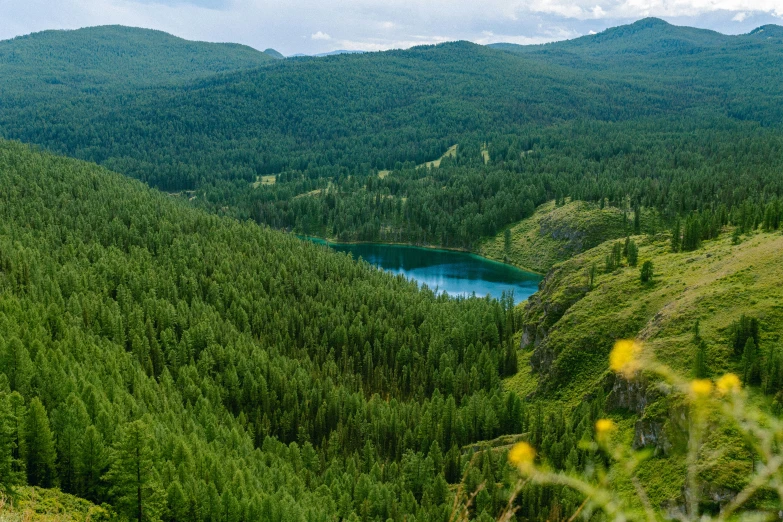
604, 427
729, 383
701, 388
522, 455
625, 357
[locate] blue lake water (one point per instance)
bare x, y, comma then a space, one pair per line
456, 273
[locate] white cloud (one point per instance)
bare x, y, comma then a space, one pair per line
320, 35
740, 17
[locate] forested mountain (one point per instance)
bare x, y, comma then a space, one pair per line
345, 112
117, 57
328, 146
251, 375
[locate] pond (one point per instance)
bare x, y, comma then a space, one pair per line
456, 273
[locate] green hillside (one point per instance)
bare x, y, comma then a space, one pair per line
82, 61
327, 116
531, 126
556, 233
570, 326
250, 375
715, 285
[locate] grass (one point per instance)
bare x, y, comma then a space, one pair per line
33, 504
715, 284
264, 180
524, 383
553, 234
451, 153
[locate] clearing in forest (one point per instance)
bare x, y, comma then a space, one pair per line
451, 153
265, 180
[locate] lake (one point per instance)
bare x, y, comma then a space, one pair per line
456, 273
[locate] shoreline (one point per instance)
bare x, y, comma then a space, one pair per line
327, 242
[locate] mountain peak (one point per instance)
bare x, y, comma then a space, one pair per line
274, 54
767, 31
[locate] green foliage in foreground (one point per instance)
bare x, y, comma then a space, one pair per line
34, 504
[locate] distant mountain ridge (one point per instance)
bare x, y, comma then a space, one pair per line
105, 55
376, 109
646, 36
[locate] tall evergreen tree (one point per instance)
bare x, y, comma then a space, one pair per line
751, 370
17, 365
700, 362
132, 476
9, 474
91, 464
676, 236
632, 253
646, 273
70, 422
39, 446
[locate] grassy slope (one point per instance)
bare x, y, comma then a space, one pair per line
576, 328
554, 234
715, 284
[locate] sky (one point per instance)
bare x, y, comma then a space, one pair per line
313, 26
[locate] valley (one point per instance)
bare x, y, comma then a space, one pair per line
176, 346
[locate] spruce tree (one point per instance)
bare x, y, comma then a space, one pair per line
700, 361
9, 474
773, 372
750, 363
637, 220
17, 365
39, 446
633, 253
646, 273
70, 422
676, 237
18, 415
132, 475
90, 464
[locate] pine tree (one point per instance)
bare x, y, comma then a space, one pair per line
17, 366
676, 236
132, 475
9, 474
633, 253
646, 273
637, 220
750, 363
700, 362
18, 415
70, 422
90, 464
39, 446
773, 372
